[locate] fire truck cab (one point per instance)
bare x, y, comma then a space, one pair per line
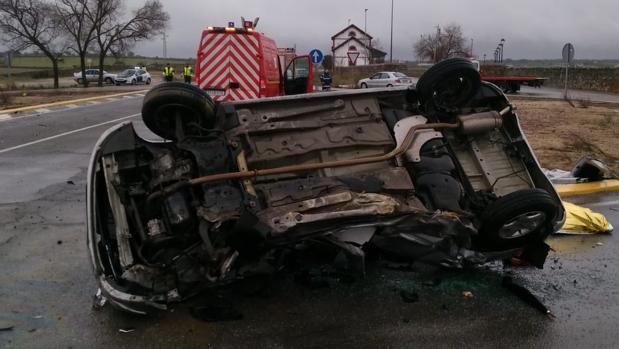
241, 63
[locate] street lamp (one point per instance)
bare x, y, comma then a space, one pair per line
391, 40
502, 45
365, 27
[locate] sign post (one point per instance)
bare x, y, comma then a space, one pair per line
8, 60
316, 56
568, 57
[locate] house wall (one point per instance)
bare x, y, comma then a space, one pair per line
340, 56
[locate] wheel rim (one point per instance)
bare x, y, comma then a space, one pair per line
522, 225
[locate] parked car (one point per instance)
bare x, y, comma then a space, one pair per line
440, 174
92, 75
133, 77
385, 79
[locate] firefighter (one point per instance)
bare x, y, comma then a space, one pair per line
168, 72
187, 73
325, 81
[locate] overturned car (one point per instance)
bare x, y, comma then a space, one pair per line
439, 174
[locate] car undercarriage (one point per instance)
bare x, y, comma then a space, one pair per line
438, 174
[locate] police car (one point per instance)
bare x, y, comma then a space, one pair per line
133, 76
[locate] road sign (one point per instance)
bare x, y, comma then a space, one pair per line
568, 53
316, 56
352, 57
568, 57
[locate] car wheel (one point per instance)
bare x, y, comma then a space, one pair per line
389, 85
167, 102
364, 85
109, 81
148, 81
133, 82
80, 81
517, 219
449, 84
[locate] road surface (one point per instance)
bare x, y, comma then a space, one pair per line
46, 284
556, 93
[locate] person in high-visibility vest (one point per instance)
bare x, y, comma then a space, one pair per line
168, 72
187, 73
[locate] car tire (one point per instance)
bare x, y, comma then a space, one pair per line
364, 85
80, 81
389, 85
517, 219
449, 84
108, 81
167, 101
148, 81
133, 82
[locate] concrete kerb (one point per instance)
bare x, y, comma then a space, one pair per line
567, 190
73, 101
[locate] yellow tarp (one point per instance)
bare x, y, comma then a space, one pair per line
582, 220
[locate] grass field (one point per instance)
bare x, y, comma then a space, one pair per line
41, 62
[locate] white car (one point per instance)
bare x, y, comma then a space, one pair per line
92, 75
385, 79
133, 76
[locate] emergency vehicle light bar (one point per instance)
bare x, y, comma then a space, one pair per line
229, 30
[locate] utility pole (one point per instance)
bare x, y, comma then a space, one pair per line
365, 27
471, 47
391, 40
165, 46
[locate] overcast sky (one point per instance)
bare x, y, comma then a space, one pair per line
532, 28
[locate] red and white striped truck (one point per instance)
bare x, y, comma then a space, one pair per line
241, 63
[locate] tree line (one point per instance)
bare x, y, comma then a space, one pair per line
60, 27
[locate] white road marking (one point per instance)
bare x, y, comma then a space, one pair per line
66, 133
71, 106
42, 110
128, 97
140, 94
111, 99
4, 116
94, 102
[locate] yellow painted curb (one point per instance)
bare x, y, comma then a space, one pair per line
566, 190
73, 101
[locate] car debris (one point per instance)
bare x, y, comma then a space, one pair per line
6, 325
439, 174
126, 330
524, 294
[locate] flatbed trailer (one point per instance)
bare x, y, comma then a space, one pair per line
513, 83
509, 83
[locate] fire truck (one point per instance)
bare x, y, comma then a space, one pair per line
241, 63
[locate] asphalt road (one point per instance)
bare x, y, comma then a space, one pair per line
46, 284
557, 93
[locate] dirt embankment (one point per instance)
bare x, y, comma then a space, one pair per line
561, 134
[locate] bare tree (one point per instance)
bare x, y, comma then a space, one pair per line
32, 23
445, 43
116, 33
75, 21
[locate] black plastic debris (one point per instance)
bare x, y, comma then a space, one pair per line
409, 296
216, 312
71, 182
525, 295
